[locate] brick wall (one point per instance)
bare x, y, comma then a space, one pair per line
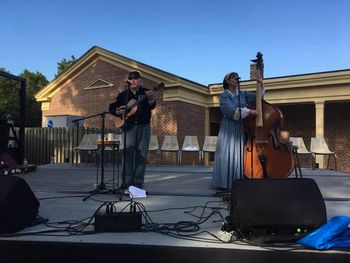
180, 119
253, 71
164, 122
337, 132
73, 99
168, 118
191, 121
299, 121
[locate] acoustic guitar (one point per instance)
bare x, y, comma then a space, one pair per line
131, 107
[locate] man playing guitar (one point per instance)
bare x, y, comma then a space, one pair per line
133, 107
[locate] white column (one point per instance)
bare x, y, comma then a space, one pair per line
207, 121
319, 109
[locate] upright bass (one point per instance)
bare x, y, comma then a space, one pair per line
265, 156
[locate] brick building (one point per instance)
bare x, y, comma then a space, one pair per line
314, 105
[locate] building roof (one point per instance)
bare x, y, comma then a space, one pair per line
302, 88
97, 53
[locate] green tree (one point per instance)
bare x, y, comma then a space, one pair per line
9, 97
35, 82
64, 64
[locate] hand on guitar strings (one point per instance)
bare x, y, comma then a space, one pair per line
120, 111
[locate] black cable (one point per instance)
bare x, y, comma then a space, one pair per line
186, 230
182, 229
58, 197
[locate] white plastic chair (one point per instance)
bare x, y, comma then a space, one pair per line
301, 149
154, 146
88, 143
209, 146
320, 147
170, 144
190, 144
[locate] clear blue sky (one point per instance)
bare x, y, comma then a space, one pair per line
198, 40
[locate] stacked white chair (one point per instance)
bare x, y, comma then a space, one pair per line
301, 149
170, 144
190, 144
320, 147
88, 144
209, 146
154, 146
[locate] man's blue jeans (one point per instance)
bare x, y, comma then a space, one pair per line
137, 142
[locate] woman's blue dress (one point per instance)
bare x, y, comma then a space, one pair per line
228, 165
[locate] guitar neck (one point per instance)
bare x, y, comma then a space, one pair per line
156, 88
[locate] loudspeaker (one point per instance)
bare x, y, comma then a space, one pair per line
4, 135
269, 210
8, 160
18, 205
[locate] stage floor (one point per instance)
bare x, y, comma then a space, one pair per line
175, 194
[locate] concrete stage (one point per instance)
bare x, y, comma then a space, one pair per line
175, 194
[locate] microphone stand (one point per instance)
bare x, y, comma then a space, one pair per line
126, 98
101, 185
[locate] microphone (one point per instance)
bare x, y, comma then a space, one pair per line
238, 84
127, 83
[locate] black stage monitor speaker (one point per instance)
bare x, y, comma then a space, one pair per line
18, 205
4, 135
271, 210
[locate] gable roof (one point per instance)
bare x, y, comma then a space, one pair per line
97, 53
99, 83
